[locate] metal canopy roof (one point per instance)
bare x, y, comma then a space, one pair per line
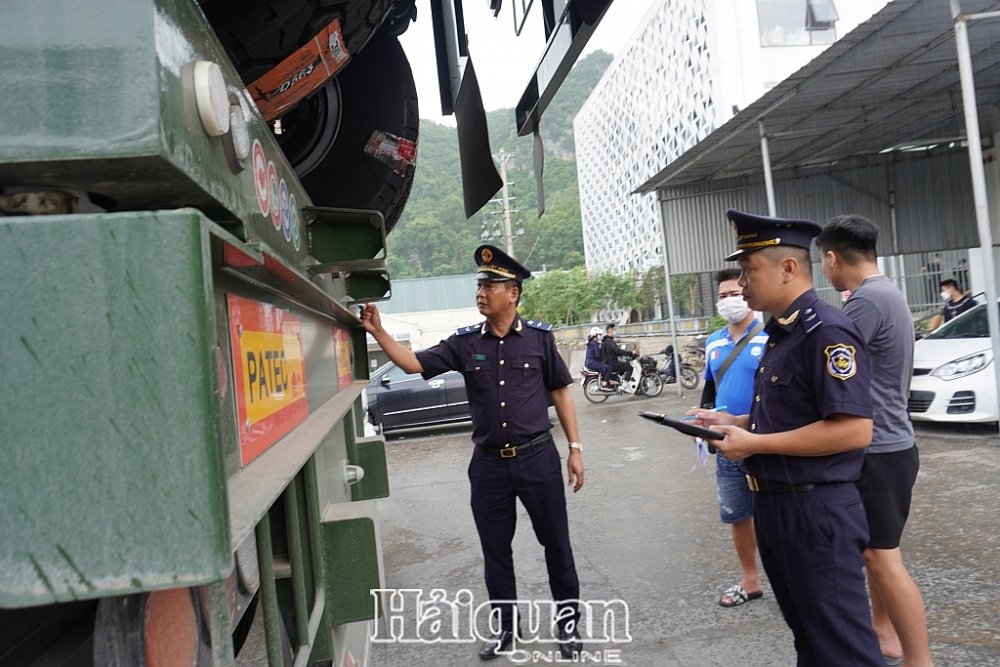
891, 82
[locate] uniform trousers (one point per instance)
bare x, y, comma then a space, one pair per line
536, 478
811, 544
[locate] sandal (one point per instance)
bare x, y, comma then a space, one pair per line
737, 596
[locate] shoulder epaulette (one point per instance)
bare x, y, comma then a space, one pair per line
535, 324
461, 331
811, 320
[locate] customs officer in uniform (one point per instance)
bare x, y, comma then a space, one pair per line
804, 443
510, 366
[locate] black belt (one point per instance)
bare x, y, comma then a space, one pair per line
776, 487
511, 452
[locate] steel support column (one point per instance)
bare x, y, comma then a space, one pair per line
670, 303
974, 140
768, 181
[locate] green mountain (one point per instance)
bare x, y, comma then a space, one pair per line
433, 238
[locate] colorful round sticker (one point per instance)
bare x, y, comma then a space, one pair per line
286, 213
272, 182
296, 233
260, 177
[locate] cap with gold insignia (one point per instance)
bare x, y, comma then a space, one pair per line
495, 264
756, 232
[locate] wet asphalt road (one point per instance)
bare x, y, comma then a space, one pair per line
645, 530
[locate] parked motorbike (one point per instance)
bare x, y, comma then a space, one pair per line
689, 374
646, 381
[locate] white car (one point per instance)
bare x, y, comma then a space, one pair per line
954, 378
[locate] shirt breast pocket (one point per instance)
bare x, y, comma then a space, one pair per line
776, 381
480, 376
529, 369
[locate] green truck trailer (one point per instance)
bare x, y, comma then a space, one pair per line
194, 199
183, 446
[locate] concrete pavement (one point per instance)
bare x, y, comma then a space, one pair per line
645, 530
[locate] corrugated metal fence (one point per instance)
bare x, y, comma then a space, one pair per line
930, 192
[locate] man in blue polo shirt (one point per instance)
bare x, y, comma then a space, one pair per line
729, 386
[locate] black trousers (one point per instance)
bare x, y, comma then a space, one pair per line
812, 546
537, 479
623, 368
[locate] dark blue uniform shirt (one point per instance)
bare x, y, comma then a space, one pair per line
815, 366
507, 379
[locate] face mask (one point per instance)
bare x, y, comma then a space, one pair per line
733, 309
946, 296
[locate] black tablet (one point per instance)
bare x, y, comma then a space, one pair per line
684, 427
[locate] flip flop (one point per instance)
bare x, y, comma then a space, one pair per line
893, 662
737, 596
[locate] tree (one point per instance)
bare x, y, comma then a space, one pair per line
572, 260
547, 240
653, 291
557, 297
437, 191
685, 288
571, 297
429, 248
613, 291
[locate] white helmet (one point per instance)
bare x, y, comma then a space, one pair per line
595, 331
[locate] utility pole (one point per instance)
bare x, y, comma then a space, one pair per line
505, 200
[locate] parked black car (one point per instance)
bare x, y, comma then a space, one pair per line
397, 399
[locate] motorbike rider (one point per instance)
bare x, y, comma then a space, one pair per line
611, 354
593, 361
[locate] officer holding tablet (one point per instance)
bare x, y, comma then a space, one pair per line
804, 443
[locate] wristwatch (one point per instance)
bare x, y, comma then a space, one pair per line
577, 446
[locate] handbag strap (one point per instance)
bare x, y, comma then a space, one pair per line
740, 346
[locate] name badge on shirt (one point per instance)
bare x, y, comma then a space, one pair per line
479, 357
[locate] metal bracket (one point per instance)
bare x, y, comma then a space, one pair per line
368, 286
343, 239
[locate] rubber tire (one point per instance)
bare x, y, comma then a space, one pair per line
259, 34
651, 385
689, 377
376, 93
592, 392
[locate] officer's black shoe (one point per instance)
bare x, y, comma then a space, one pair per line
498, 641
569, 643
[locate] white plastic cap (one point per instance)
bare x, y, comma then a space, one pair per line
212, 98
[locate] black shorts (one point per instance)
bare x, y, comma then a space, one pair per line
886, 486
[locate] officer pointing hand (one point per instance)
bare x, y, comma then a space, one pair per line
370, 318
407, 360
511, 367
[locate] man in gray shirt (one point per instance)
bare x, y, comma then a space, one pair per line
880, 312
